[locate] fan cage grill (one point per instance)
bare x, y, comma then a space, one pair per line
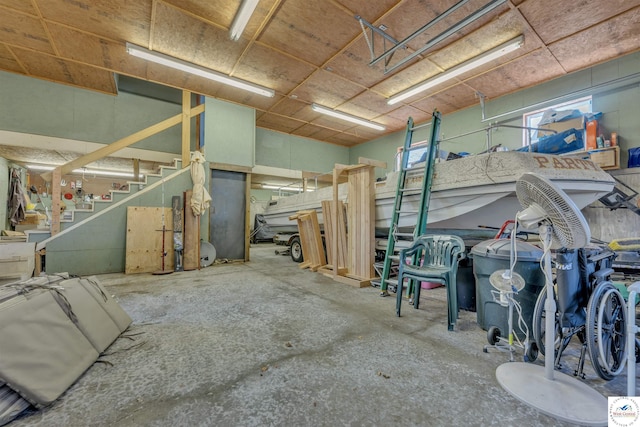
569, 228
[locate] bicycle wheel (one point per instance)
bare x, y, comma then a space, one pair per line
606, 325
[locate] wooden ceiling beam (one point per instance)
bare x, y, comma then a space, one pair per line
124, 143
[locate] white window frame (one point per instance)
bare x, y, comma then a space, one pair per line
532, 118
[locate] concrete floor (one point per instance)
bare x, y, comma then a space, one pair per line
266, 343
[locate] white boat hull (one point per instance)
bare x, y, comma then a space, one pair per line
467, 193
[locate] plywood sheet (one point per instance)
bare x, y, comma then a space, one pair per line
19, 5
224, 12
353, 64
247, 98
370, 10
7, 61
272, 68
504, 28
23, 30
209, 45
94, 50
114, 19
406, 77
329, 122
327, 89
314, 30
346, 140
144, 240
402, 114
365, 132
369, 105
52, 68
554, 20
315, 132
294, 108
269, 120
522, 72
454, 98
599, 43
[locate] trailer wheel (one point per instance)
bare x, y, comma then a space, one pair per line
296, 249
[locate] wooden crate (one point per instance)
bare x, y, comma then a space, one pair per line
17, 260
310, 239
606, 158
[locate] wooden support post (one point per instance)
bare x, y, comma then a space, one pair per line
361, 219
191, 236
56, 193
136, 170
186, 128
334, 218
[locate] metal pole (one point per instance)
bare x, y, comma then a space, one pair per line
549, 306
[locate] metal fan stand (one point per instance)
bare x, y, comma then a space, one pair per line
502, 344
506, 284
553, 393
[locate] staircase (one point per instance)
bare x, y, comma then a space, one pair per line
68, 218
93, 241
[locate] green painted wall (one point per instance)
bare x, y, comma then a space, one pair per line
99, 246
39, 107
4, 189
285, 151
617, 100
229, 133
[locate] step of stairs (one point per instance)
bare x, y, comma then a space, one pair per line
71, 217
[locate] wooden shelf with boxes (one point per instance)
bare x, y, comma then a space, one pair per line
608, 158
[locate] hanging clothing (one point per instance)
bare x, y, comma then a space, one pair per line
16, 199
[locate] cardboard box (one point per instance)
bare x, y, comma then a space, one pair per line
33, 219
576, 123
606, 158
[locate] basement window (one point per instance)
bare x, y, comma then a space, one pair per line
532, 119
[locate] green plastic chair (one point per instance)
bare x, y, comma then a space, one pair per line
434, 258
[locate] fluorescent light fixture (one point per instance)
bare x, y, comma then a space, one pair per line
83, 171
347, 117
242, 18
469, 65
281, 188
196, 70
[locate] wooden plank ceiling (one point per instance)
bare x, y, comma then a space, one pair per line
314, 51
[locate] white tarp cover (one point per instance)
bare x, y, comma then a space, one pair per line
200, 198
52, 329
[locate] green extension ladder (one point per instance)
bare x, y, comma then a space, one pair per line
391, 260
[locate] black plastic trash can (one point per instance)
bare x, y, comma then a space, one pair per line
492, 255
466, 285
